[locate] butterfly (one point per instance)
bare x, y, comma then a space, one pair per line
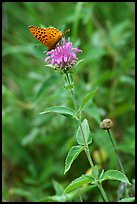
48, 36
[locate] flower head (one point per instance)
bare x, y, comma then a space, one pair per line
63, 56
106, 124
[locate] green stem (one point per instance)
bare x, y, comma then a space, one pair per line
103, 193
72, 93
86, 145
116, 152
80, 197
119, 161
87, 148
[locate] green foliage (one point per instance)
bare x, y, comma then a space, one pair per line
60, 109
58, 188
46, 85
34, 146
115, 175
72, 155
86, 131
65, 197
84, 179
69, 86
86, 99
127, 199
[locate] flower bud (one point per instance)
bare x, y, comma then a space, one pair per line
106, 124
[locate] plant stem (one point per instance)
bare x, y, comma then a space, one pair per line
72, 93
80, 197
86, 145
103, 193
115, 149
119, 160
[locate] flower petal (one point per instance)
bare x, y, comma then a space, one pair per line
64, 55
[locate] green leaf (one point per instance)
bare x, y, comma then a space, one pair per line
28, 139
87, 98
84, 179
46, 84
57, 198
72, 155
115, 175
69, 86
78, 62
58, 188
129, 199
20, 192
95, 172
101, 175
43, 199
60, 109
86, 131
50, 65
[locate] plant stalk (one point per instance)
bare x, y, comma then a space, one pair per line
80, 197
86, 145
119, 161
116, 152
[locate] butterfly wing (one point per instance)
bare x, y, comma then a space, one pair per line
48, 36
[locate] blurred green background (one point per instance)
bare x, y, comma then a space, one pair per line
34, 147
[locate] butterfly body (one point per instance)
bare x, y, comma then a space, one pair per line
48, 36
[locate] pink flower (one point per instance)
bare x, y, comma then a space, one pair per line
63, 56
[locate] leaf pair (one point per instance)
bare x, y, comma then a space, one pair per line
68, 111
85, 179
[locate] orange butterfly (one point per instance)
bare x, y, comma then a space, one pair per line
48, 36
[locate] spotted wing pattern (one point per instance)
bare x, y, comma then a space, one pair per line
48, 36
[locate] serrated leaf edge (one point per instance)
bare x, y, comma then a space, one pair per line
116, 179
79, 151
75, 180
89, 140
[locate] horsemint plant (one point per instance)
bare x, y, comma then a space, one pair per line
64, 59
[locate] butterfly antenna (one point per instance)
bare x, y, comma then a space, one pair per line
66, 31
